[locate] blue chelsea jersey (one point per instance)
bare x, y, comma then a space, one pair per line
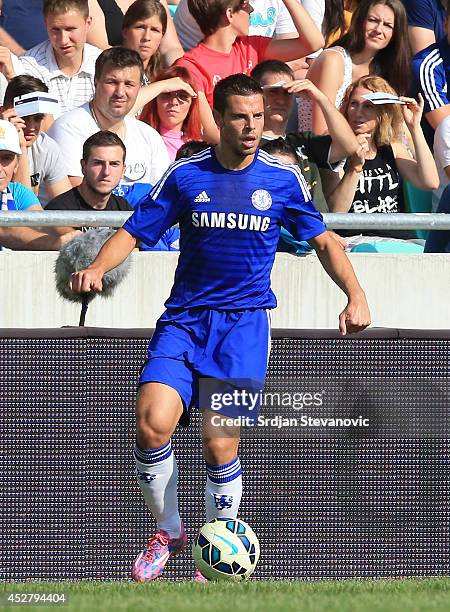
230, 224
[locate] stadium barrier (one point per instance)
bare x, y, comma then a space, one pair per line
400, 221
403, 290
415, 286
357, 501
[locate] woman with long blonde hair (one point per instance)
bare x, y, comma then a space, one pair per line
371, 180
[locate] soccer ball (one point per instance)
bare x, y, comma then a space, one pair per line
226, 549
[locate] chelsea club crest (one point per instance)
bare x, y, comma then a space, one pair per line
261, 199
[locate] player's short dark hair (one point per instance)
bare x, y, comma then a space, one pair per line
117, 57
62, 6
207, 13
191, 148
280, 145
234, 85
21, 85
271, 66
104, 138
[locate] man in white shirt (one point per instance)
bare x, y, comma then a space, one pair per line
118, 74
64, 62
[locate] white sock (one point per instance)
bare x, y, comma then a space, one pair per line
223, 490
157, 476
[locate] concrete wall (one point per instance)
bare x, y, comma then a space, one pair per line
409, 291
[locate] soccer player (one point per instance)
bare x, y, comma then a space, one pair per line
230, 202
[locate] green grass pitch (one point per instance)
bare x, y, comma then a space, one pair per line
409, 595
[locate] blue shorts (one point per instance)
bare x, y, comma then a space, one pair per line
197, 343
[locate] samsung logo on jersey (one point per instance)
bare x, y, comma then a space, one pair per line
231, 220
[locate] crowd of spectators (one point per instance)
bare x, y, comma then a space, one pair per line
345, 85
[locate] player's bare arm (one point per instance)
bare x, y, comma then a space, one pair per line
356, 315
113, 252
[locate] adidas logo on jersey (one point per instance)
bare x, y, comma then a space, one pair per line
202, 197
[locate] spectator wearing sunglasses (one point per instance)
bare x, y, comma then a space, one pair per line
175, 115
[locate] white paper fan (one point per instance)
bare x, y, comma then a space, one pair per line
380, 97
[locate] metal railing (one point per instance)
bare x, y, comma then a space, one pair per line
398, 221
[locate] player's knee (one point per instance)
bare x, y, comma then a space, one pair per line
148, 438
157, 415
151, 432
219, 451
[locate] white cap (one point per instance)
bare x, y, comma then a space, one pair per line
276, 85
9, 138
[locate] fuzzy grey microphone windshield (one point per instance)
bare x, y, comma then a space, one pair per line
77, 255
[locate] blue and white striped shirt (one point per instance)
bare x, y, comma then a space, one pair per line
230, 224
431, 70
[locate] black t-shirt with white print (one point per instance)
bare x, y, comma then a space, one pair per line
380, 190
